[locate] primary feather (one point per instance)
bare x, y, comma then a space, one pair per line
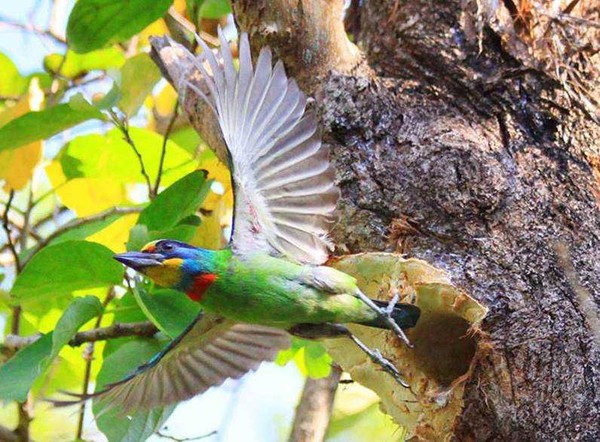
285, 197
210, 351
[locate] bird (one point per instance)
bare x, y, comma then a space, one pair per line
270, 282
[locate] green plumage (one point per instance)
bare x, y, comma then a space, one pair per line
261, 289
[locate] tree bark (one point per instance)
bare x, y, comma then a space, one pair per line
455, 152
314, 409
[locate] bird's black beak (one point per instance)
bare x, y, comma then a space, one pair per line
139, 260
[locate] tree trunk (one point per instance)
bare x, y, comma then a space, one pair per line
450, 149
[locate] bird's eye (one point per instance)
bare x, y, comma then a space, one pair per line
167, 246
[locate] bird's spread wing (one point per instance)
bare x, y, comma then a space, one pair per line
210, 351
284, 191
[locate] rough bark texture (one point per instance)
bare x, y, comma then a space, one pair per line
480, 166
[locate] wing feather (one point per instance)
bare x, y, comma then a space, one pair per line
208, 353
280, 169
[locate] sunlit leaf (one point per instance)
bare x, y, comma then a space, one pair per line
115, 236
95, 23
310, 357
187, 138
43, 124
109, 156
87, 196
138, 77
12, 83
18, 164
76, 64
210, 8
62, 268
87, 230
118, 364
176, 202
368, 424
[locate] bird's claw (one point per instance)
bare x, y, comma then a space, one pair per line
390, 307
386, 315
386, 365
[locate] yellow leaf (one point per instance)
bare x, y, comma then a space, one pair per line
218, 172
157, 28
116, 234
86, 196
17, 165
164, 101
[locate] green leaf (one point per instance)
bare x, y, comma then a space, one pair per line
176, 202
41, 125
109, 156
138, 77
116, 366
85, 230
62, 268
94, 24
171, 311
11, 80
188, 139
310, 357
209, 8
75, 65
138, 237
367, 424
78, 313
18, 374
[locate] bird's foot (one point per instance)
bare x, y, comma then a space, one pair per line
390, 307
386, 315
376, 356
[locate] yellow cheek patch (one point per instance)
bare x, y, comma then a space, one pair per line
168, 274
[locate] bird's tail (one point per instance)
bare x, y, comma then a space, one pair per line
405, 315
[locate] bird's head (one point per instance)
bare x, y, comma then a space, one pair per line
171, 264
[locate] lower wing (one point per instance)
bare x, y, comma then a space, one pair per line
211, 350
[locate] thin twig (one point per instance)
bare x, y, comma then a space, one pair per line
30, 28
6, 227
78, 222
26, 218
123, 126
146, 329
89, 357
163, 152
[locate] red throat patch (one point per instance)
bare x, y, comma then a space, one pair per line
201, 285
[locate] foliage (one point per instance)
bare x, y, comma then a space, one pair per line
94, 160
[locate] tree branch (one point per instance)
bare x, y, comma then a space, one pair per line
8, 435
6, 227
116, 330
308, 35
314, 409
